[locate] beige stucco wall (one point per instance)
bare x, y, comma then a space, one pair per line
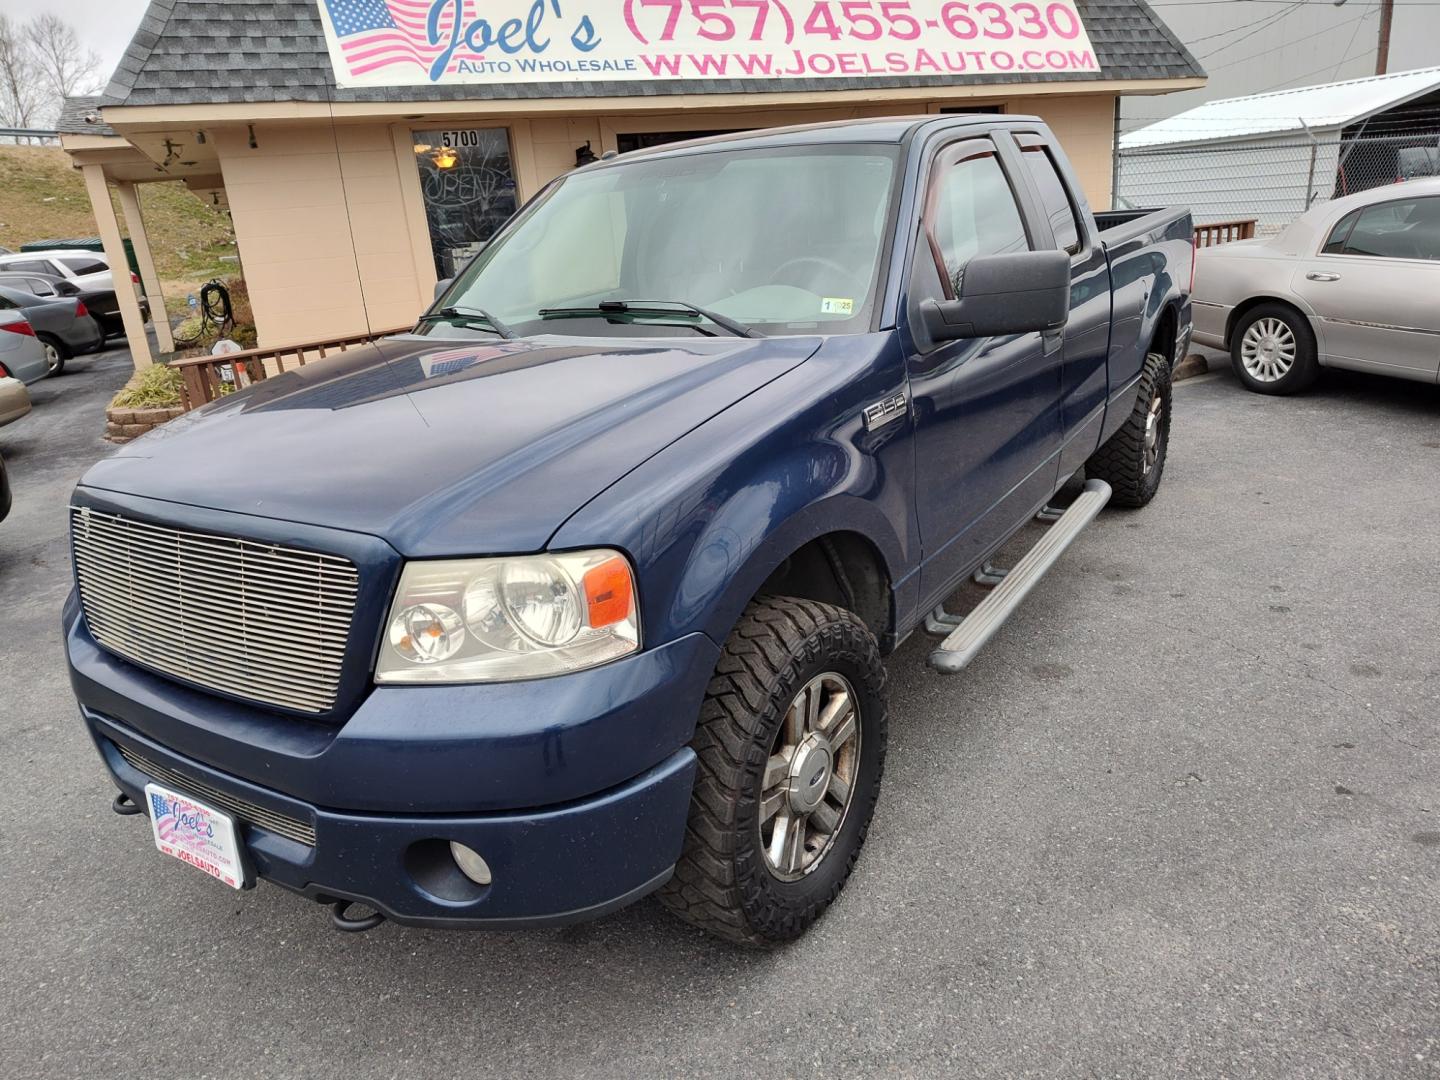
331, 227
1085, 126
325, 229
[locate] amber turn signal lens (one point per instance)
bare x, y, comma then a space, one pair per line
608, 593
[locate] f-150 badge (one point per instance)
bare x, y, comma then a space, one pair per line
882, 412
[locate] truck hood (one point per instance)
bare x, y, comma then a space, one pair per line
444, 447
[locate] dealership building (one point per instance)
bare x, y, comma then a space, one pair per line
366, 148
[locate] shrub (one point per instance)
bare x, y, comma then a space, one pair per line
156, 387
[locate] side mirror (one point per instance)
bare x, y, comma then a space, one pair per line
442, 285
1021, 293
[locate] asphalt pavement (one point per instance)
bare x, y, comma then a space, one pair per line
1182, 818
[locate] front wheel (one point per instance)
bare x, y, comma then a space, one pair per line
791, 745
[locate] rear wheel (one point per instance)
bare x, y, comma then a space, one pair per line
1132, 461
791, 745
1273, 350
55, 353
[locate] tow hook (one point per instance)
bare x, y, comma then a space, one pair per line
342, 921
126, 806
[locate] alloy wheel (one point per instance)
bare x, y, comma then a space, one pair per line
1153, 425
809, 781
52, 357
1268, 349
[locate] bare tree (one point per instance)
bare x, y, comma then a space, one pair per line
63, 65
21, 94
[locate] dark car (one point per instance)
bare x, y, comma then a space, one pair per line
63, 325
4, 490
100, 303
580, 590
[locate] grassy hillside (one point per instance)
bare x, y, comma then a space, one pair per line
42, 198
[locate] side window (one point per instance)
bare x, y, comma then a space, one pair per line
6, 304
30, 266
974, 213
83, 264
1402, 229
1338, 235
1054, 198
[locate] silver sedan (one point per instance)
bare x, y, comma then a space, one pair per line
1350, 284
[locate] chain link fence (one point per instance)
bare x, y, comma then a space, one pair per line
1274, 181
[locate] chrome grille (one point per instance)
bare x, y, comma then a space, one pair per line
255, 620
246, 811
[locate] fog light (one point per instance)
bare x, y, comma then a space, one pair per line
470, 863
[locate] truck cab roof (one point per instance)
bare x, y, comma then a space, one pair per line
889, 129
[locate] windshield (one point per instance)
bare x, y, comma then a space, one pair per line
783, 241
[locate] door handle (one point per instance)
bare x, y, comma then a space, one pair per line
1315, 275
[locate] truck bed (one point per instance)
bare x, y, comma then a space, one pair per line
1118, 226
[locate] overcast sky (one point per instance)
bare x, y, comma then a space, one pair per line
103, 25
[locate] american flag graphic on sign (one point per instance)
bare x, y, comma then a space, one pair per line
165, 821
376, 35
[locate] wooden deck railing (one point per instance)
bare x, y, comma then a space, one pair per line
204, 375
1222, 232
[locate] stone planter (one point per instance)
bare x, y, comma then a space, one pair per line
122, 425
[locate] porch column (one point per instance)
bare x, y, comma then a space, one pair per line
149, 279
109, 227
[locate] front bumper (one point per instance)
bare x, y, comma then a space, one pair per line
550, 867
574, 789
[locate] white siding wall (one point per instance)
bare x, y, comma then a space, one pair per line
1265, 181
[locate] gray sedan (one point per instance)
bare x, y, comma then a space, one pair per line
1350, 284
63, 325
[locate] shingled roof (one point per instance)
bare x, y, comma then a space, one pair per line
81, 116
215, 51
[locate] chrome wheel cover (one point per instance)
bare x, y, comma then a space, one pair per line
809, 781
1268, 350
52, 356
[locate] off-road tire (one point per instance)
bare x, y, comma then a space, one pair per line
1303, 372
722, 882
55, 353
1121, 462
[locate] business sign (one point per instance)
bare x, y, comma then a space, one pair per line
459, 42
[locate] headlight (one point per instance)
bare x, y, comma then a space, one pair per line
497, 620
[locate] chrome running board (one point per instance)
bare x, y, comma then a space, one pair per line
971, 633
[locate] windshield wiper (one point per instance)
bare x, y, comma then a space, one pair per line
471, 314
651, 307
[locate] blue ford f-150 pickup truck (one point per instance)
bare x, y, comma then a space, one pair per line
580, 590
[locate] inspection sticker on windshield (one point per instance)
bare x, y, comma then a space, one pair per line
196, 834
834, 305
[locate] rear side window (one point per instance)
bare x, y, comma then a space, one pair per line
83, 264
975, 214
6, 304
1054, 198
1338, 235
31, 266
1401, 229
